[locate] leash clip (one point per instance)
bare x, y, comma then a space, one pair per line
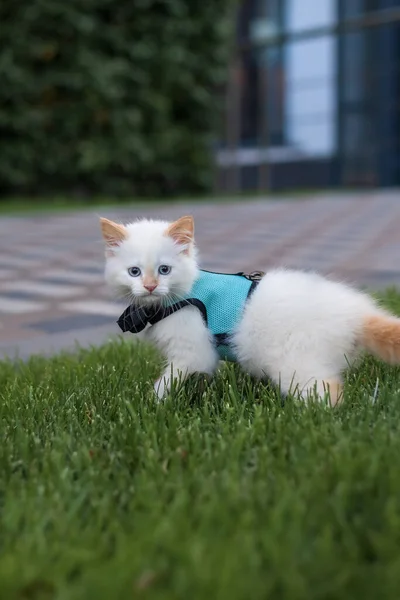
255, 275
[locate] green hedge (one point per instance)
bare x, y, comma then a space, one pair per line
110, 96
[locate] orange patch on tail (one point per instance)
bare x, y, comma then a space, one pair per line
381, 337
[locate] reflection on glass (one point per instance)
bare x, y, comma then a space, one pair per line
356, 101
356, 8
310, 99
249, 105
306, 14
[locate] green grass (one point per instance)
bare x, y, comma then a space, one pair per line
61, 204
216, 494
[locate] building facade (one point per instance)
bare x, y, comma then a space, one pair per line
313, 98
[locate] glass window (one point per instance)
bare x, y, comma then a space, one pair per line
245, 16
354, 66
310, 102
274, 99
307, 14
310, 95
249, 98
359, 161
358, 94
313, 139
266, 22
356, 8
353, 8
269, 8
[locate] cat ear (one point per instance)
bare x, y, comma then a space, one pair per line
182, 232
113, 233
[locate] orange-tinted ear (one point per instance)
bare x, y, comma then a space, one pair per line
182, 232
113, 233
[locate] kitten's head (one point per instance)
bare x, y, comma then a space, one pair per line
149, 262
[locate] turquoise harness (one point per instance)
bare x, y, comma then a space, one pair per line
219, 297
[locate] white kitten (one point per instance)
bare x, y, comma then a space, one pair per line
299, 329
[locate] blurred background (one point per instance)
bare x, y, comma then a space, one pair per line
170, 97
106, 105
111, 97
313, 98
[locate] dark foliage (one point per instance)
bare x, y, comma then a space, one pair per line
109, 96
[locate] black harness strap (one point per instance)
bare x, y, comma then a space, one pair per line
134, 319
222, 339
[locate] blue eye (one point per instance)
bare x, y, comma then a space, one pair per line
134, 271
164, 270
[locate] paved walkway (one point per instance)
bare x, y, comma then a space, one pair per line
51, 266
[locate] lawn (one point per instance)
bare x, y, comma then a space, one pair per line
61, 204
224, 493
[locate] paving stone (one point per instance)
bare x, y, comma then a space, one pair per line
96, 270
111, 309
18, 262
18, 295
12, 306
59, 270
6, 273
70, 323
37, 289
57, 277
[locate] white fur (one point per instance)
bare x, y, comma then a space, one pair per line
187, 344
147, 247
301, 329
182, 338
298, 328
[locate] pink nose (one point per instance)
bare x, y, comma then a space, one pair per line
150, 288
